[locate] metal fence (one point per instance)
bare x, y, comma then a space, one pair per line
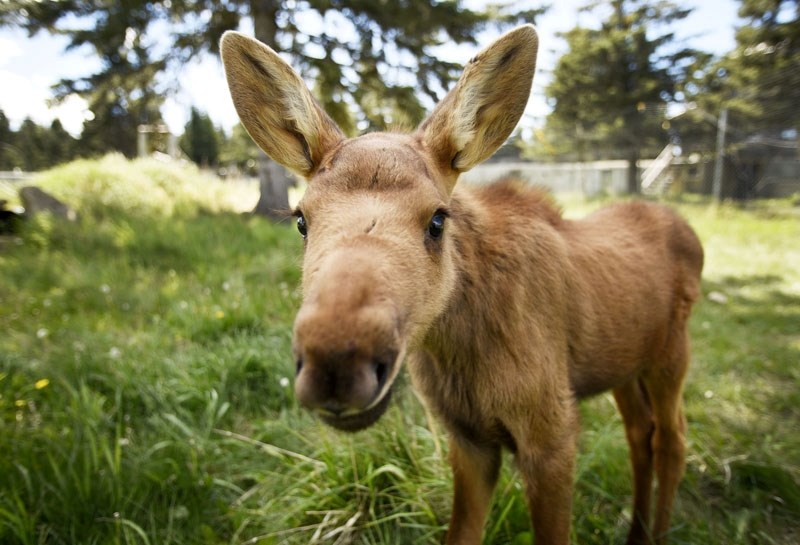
13, 176
741, 179
590, 178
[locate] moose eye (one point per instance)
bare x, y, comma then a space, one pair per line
301, 225
436, 226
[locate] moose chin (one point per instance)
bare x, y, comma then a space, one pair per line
360, 420
505, 313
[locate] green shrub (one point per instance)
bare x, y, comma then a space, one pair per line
115, 185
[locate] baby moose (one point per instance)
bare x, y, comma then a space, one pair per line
506, 313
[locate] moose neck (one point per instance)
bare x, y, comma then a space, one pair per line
509, 259
499, 274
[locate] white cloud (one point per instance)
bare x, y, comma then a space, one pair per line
8, 50
72, 112
29, 67
203, 85
28, 97
22, 97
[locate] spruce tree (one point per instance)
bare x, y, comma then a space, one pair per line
610, 90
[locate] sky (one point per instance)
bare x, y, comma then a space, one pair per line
30, 66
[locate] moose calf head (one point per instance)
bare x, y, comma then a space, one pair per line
379, 252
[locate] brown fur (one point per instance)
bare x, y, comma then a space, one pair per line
506, 319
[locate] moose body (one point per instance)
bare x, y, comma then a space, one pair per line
548, 311
507, 313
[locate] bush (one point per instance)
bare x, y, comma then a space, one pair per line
141, 187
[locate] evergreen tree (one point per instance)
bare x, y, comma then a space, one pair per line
240, 150
757, 84
364, 58
59, 145
123, 93
759, 81
30, 139
34, 147
610, 90
763, 72
9, 153
200, 141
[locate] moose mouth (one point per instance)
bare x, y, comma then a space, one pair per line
360, 420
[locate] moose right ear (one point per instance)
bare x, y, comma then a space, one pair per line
275, 105
479, 113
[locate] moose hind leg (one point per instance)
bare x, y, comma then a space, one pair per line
665, 387
636, 413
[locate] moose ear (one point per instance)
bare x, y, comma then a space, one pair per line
479, 113
275, 105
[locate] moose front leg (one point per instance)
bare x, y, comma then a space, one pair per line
546, 460
475, 472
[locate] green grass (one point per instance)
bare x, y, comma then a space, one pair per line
145, 396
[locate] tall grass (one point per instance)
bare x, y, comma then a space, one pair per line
145, 391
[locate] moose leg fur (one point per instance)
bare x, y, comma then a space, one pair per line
635, 409
547, 465
475, 472
665, 385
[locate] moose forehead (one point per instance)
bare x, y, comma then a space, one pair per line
375, 162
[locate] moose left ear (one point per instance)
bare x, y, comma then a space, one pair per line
479, 113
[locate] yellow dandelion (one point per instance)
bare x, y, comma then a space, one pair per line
220, 314
42, 383
20, 403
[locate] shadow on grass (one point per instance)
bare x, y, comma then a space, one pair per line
735, 282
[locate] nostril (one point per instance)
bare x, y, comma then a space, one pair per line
333, 407
381, 371
298, 366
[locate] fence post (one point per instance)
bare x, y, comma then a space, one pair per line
722, 127
141, 140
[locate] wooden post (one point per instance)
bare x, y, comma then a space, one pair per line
141, 140
719, 166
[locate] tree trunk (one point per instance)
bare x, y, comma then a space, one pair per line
274, 181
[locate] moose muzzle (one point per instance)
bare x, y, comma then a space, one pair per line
346, 346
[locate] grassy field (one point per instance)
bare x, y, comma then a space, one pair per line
145, 388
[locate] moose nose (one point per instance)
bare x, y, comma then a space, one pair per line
347, 341
340, 384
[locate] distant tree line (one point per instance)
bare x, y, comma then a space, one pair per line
33, 147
